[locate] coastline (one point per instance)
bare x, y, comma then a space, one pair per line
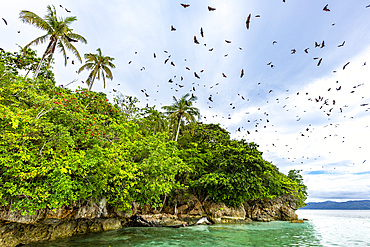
48, 225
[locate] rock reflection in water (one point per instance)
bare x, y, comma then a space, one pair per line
275, 233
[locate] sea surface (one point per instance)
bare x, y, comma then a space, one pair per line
323, 228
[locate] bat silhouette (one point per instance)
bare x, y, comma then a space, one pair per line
248, 21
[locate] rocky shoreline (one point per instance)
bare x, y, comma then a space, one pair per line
47, 225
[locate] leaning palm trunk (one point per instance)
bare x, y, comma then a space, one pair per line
182, 108
59, 32
48, 52
38, 67
178, 129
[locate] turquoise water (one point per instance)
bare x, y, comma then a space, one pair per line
324, 228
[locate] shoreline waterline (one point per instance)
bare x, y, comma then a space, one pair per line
323, 228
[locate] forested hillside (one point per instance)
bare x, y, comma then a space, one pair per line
59, 147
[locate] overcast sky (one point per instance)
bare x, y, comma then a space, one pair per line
303, 116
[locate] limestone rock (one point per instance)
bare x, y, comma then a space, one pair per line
296, 221
12, 234
48, 224
220, 213
282, 208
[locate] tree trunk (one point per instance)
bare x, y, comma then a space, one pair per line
178, 129
49, 50
38, 67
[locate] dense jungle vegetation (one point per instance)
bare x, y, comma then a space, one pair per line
59, 147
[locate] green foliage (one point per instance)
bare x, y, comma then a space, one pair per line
24, 61
229, 171
301, 192
159, 166
153, 121
59, 147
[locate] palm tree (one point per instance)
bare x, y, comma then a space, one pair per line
156, 119
59, 34
180, 109
99, 65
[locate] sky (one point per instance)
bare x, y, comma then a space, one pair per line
305, 106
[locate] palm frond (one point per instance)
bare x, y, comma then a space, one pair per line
86, 66
108, 72
111, 65
185, 96
77, 37
69, 19
99, 52
63, 51
90, 57
51, 16
33, 19
39, 40
72, 48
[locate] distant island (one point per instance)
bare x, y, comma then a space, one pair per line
330, 205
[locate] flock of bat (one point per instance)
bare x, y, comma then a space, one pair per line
328, 106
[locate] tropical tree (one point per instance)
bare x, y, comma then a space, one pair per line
127, 106
58, 32
99, 65
180, 109
156, 119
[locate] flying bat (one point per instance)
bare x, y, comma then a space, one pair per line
342, 44
326, 8
345, 65
70, 39
322, 44
318, 64
248, 21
